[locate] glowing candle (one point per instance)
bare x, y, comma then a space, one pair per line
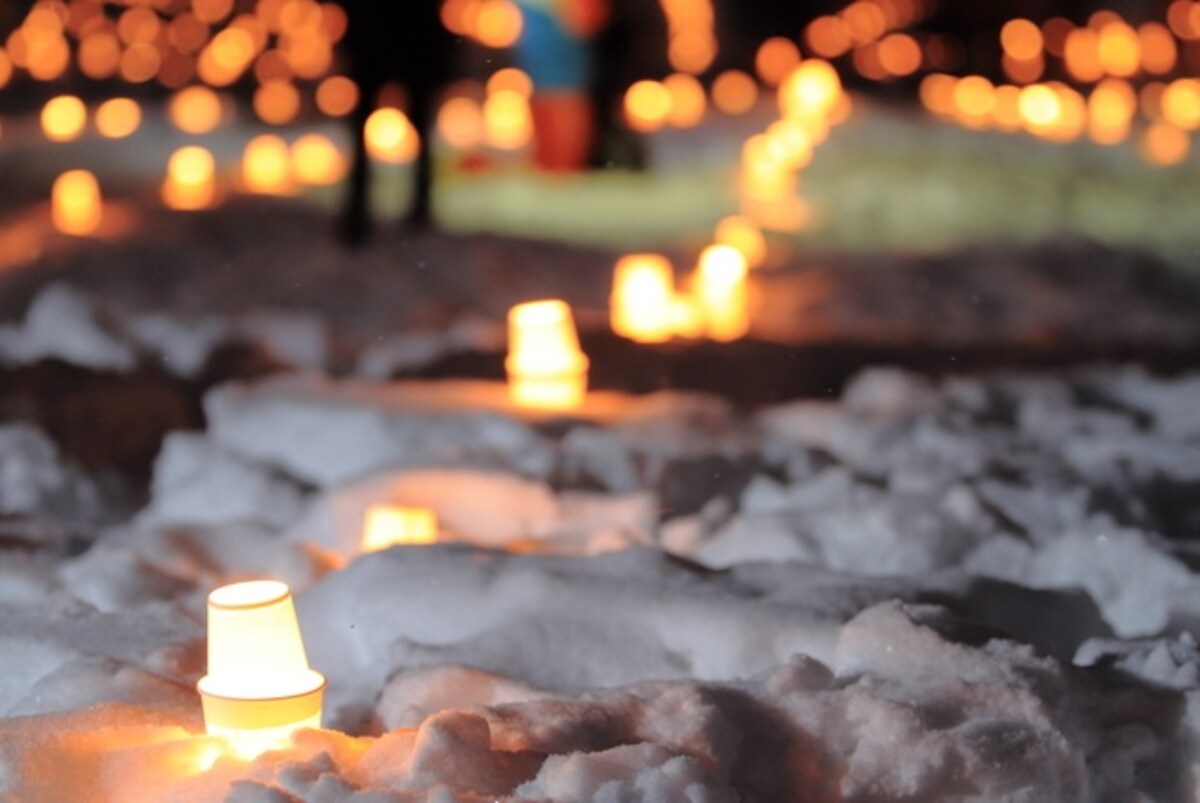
317, 161
63, 118
75, 203
118, 118
744, 234
643, 289
546, 368
259, 688
721, 292
391, 137
191, 181
266, 166
387, 525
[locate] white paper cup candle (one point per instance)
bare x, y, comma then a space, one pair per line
259, 688
391, 525
76, 206
642, 295
546, 368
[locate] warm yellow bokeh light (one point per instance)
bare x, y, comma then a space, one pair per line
76, 206
195, 110
507, 119
742, 233
267, 166
812, 89
498, 23
386, 526
647, 105
513, 79
191, 179
642, 295
720, 289
391, 137
688, 101
1181, 103
118, 118
316, 161
63, 118
546, 368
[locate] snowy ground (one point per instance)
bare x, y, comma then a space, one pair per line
978, 589
979, 582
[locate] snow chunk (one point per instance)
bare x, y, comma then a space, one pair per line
327, 433
483, 508
62, 323
198, 482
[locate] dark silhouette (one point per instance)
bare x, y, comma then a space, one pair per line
394, 41
631, 46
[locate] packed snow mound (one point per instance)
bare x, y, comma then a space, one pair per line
906, 709
64, 324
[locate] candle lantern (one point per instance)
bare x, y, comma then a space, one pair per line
744, 234
388, 525
721, 291
546, 368
75, 203
643, 289
266, 166
191, 181
259, 688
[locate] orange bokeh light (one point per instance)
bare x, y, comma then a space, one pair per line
337, 96
99, 55
512, 79
827, 37
460, 123
899, 54
118, 118
775, 58
195, 110
1159, 51
688, 101
1164, 145
267, 166
277, 102
1021, 39
508, 122
734, 92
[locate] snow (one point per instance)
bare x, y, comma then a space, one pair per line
64, 324
922, 591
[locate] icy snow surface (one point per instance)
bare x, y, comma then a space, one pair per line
982, 590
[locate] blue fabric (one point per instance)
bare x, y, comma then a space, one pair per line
553, 57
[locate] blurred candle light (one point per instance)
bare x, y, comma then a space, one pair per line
390, 525
195, 110
1164, 145
191, 179
642, 295
75, 203
647, 105
316, 161
118, 118
812, 89
720, 289
63, 118
390, 137
688, 101
546, 368
744, 234
734, 92
266, 166
507, 120
460, 123
259, 688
